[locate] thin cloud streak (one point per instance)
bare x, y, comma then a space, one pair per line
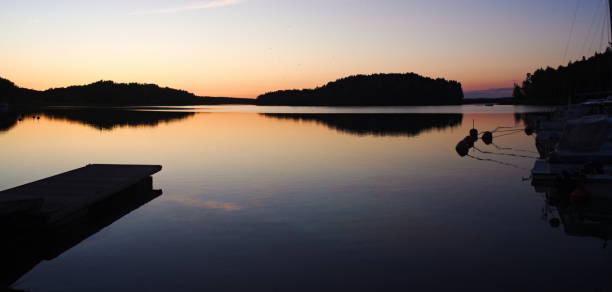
193, 6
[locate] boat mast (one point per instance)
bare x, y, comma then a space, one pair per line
610, 6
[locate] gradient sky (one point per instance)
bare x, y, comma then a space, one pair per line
244, 48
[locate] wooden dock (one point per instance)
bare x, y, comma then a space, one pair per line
43, 219
59, 198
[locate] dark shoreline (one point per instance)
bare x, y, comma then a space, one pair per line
39, 106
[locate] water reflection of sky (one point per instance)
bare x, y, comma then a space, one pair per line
258, 203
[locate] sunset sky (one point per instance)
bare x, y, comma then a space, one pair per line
243, 48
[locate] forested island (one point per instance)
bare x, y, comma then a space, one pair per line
108, 93
407, 89
576, 82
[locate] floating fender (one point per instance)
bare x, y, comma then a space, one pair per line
579, 195
487, 138
463, 148
470, 140
474, 133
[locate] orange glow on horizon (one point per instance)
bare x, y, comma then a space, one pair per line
254, 47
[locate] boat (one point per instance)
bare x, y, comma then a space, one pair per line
549, 127
584, 148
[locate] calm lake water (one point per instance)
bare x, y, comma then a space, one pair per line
308, 199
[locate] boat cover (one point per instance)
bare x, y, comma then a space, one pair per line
588, 134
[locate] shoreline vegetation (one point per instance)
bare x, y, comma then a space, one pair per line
578, 81
108, 93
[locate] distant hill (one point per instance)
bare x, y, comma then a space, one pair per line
578, 80
9, 92
109, 93
372, 90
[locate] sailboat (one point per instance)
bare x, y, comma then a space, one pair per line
576, 143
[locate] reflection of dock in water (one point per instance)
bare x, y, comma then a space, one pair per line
43, 219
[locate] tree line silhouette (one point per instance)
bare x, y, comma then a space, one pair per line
109, 93
372, 90
587, 78
11, 93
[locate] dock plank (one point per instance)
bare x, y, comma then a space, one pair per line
72, 192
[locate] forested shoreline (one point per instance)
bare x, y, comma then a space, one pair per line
108, 93
576, 82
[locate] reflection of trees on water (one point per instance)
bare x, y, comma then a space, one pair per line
378, 124
103, 119
8, 120
529, 118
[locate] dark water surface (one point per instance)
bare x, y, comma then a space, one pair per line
308, 199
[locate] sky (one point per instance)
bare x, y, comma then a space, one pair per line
243, 48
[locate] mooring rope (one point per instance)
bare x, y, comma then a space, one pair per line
509, 133
499, 129
514, 149
504, 154
571, 33
498, 162
509, 130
